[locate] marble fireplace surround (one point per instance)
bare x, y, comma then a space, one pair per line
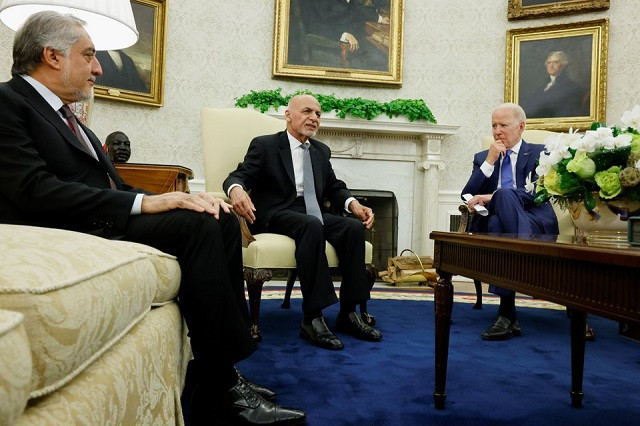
391, 155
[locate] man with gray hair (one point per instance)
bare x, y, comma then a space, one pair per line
559, 96
497, 183
53, 173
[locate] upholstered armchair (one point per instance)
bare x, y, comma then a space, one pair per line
564, 218
226, 134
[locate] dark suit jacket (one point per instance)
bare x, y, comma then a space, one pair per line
46, 177
563, 99
525, 166
267, 171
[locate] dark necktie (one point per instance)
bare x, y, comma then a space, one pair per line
308, 186
75, 128
506, 172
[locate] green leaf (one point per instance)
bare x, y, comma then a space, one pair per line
589, 201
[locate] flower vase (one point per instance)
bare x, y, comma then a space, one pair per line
607, 223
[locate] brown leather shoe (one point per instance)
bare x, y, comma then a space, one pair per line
502, 329
318, 334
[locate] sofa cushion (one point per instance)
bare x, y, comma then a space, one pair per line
79, 294
15, 366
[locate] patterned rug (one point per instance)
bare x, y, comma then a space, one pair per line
275, 291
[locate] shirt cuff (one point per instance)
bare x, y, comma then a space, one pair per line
346, 204
233, 185
136, 208
487, 169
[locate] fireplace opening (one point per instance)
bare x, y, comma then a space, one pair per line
384, 233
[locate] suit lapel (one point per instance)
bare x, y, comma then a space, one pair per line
285, 156
524, 156
43, 108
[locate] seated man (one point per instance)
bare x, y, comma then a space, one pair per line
54, 173
498, 182
289, 174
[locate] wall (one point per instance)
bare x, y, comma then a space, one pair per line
453, 58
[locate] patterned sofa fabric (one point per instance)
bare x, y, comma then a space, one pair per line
15, 367
79, 294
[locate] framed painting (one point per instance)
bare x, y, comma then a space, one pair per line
136, 74
558, 74
526, 9
333, 40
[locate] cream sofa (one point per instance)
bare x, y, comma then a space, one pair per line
90, 333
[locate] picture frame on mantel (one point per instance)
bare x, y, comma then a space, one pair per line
576, 55
528, 9
136, 74
320, 40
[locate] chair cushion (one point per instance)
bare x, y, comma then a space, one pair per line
15, 366
275, 251
79, 295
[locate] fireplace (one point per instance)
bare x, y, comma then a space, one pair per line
384, 233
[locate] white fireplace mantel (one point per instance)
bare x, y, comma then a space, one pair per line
395, 155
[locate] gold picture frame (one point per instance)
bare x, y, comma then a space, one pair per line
136, 74
307, 42
527, 9
577, 54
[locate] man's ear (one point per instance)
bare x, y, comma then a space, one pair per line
51, 57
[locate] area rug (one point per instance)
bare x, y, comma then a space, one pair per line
525, 380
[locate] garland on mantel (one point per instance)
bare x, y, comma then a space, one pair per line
413, 109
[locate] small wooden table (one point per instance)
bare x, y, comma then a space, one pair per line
558, 268
157, 178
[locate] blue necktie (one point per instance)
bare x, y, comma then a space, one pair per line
506, 172
308, 186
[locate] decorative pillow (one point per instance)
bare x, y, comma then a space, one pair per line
15, 367
79, 294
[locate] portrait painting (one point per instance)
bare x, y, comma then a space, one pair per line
557, 74
136, 74
339, 40
526, 9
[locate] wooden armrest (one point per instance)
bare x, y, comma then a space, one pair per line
247, 237
465, 218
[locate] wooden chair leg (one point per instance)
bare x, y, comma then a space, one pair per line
371, 278
478, 285
286, 303
255, 280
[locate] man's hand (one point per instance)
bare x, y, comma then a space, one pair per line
242, 204
362, 212
200, 202
496, 148
481, 199
353, 42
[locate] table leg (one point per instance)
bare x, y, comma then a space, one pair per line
443, 305
578, 323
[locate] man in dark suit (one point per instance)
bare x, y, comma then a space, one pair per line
54, 173
284, 201
559, 96
498, 182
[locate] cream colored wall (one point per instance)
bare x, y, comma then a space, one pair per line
453, 58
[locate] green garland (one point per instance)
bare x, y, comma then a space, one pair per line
413, 109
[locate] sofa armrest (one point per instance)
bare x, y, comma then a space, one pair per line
15, 366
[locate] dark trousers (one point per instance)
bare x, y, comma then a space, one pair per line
346, 235
211, 293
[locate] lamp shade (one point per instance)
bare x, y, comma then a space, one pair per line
110, 23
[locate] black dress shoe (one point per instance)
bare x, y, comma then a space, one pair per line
242, 406
352, 324
589, 333
263, 391
368, 319
502, 329
318, 334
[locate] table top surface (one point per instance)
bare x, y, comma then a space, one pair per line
563, 246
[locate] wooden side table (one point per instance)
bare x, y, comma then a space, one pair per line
158, 178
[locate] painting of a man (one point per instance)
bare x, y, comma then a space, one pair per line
340, 33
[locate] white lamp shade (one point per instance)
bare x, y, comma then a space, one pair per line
110, 23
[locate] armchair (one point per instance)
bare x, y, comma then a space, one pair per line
226, 134
564, 218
